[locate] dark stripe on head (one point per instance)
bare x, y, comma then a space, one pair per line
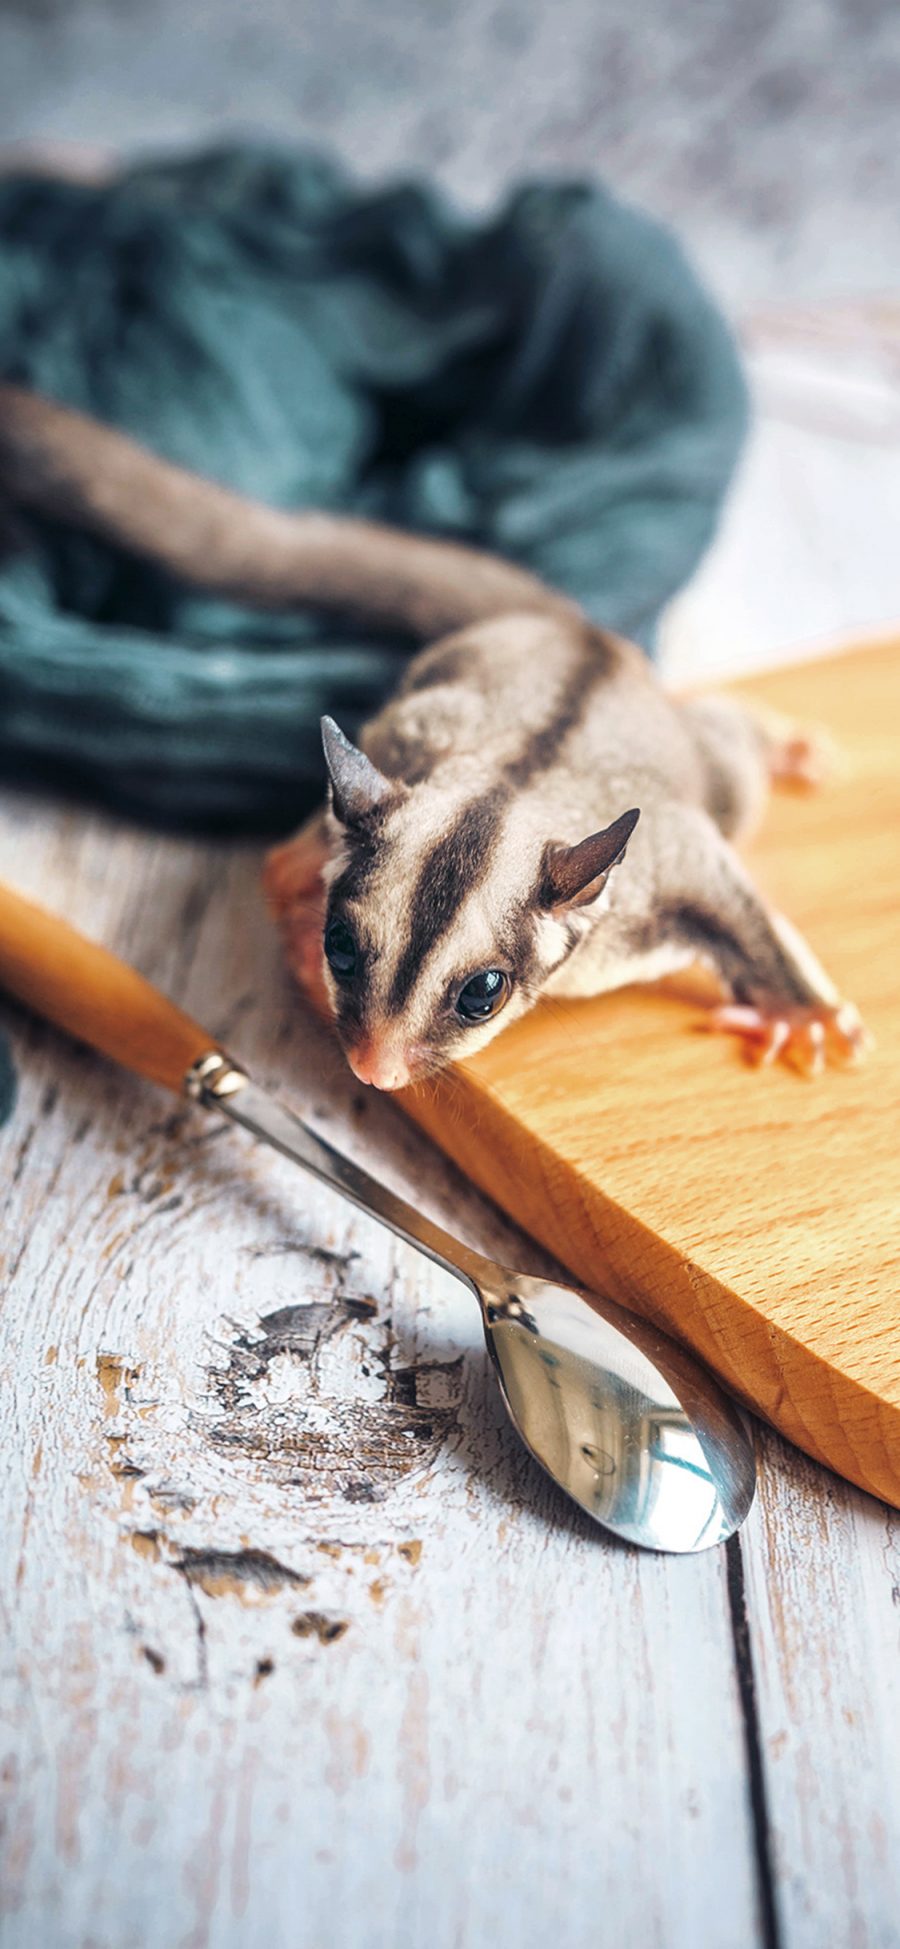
352, 881
363, 848
453, 867
363, 851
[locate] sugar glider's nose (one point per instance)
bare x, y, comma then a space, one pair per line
383, 1068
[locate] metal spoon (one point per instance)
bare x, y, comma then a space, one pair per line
629, 1424
623, 1419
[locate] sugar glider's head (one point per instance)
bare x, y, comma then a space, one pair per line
445, 917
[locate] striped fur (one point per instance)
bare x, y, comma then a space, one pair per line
495, 744
511, 740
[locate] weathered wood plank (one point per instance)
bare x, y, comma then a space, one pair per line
301, 1646
823, 1590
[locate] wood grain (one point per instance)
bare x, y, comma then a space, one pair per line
822, 1568
755, 1214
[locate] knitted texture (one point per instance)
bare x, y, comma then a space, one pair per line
551, 383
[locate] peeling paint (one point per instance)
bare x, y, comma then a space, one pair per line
315, 1624
250, 1575
304, 1436
146, 1544
166, 1496
114, 1374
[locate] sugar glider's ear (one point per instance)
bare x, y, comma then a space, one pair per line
575, 875
357, 786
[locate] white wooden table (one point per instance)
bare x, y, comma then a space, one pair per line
299, 1649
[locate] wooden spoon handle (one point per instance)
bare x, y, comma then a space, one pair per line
92, 995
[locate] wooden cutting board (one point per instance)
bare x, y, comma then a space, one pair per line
753, 1213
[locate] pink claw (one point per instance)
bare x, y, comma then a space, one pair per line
807, 1037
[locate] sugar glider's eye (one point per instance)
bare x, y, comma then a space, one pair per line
340, 950
482, 996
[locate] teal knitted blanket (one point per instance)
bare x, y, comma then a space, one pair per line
551, 383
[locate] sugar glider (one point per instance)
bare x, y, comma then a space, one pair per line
529, 814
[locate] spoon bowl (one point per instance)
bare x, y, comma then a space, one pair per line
613, 1411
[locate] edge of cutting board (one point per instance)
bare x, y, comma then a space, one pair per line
803, 1339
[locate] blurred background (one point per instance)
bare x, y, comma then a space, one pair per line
765, 132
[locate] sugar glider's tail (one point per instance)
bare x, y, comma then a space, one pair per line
57, 462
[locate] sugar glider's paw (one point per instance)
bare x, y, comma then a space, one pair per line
805, 1037
294, 888
799, 757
